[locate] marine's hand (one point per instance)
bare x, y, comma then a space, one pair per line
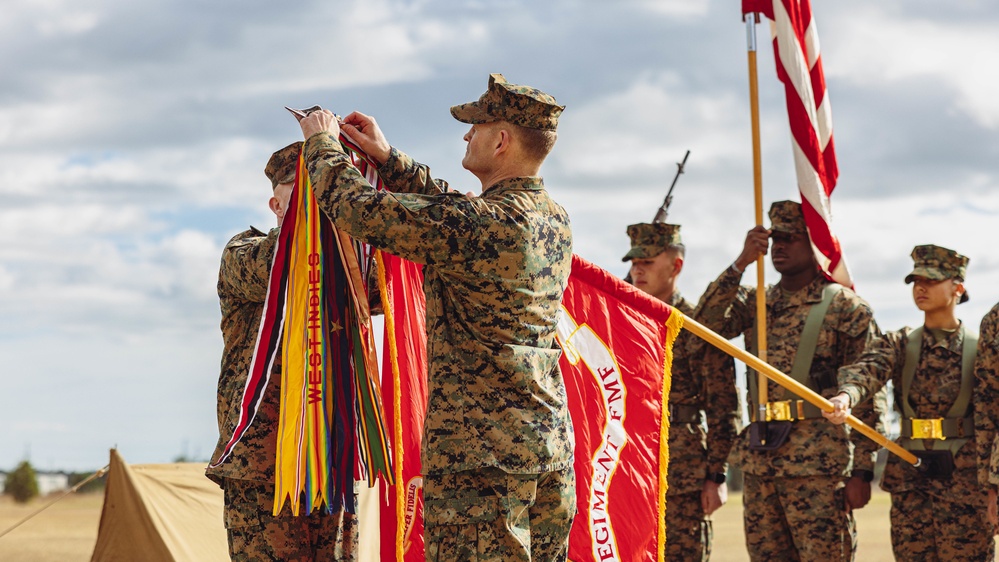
365, 132
757, 242
713, 496
318, 122
841, 409
858, 492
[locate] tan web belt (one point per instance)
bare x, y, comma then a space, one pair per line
938, 428
790, 410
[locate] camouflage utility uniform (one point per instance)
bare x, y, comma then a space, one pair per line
931, 519
247, 477
497, 447
702, 390
987, 409
794, 502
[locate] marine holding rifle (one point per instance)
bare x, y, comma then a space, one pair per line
703, 390
939, 510
801, 480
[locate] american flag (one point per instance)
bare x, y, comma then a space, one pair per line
799, 67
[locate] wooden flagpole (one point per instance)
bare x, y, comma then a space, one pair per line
768, 371
761, 291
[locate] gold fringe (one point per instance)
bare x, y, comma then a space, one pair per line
393, 349
673, 326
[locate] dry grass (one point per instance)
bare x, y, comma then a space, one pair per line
64, 532
67, 531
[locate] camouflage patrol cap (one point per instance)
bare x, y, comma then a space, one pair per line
938, 263
520, 105
281, 167
786, 216
650, 240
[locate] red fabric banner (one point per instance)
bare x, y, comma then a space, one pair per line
616, 345
404, 390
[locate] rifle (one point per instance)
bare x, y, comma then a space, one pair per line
664, 209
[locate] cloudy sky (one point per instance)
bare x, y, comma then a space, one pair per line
133, 138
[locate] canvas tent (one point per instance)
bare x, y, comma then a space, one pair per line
172, 513
160, 512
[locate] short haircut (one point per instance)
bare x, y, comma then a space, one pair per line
536, 142
680, 249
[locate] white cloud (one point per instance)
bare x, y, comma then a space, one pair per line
884, 46
677, 8
648, 125
133, 138
48, 222
70, 22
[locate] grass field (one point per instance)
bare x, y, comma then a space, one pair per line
66, 532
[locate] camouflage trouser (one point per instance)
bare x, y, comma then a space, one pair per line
688, 531
489, 514
255, 534
935, 524
803, 519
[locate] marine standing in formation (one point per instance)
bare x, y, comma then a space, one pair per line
247, 477
938, 512
987, 409
497, 447
800, 487
702, 390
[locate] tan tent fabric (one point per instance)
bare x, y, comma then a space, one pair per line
160, 512
173, 513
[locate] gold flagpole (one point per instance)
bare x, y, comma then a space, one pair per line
761, 294
767, 371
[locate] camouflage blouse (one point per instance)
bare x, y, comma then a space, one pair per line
815, 446
703, 378
242, 286
495, 268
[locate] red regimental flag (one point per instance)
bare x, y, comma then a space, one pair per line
617, 351
404, 392
799, 67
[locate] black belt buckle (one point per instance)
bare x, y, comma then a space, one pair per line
935, 465
768, 436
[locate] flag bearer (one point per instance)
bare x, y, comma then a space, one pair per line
938, 511
703, 405
801, 480
987, 409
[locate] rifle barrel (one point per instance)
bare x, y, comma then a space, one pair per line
664, 208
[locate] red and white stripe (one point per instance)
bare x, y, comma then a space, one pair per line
799, 67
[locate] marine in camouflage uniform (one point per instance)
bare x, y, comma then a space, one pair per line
987, 408
497, 446
932, 518
703, 404
247, 477
795, 497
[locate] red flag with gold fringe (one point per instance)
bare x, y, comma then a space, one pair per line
617, 352
404, 395
617, 345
